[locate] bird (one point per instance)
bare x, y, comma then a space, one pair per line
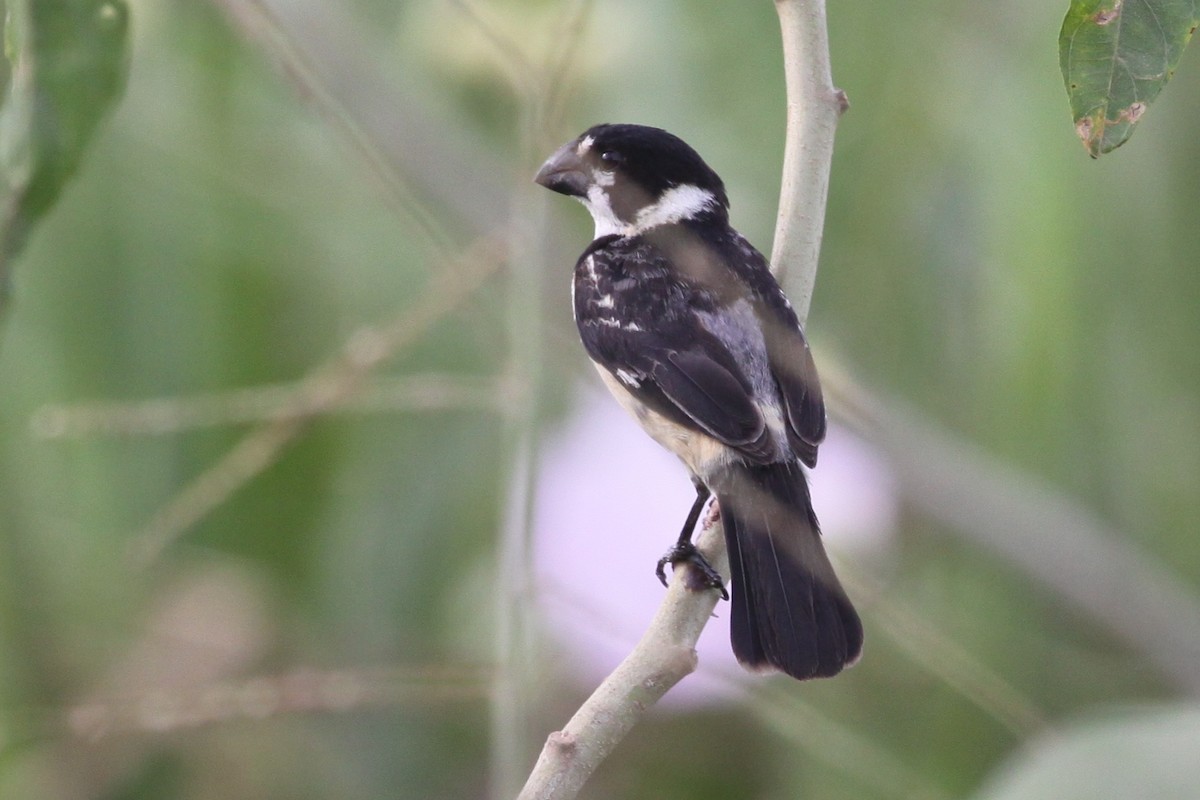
693, 336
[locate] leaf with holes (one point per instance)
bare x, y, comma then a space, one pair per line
67, 66
1116, 56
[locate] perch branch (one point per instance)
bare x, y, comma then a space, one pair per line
663, 657
666, 652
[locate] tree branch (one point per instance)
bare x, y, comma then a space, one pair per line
666, 652
663, 657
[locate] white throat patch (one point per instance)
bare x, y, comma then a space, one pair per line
600, 207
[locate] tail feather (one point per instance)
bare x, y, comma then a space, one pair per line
789, 612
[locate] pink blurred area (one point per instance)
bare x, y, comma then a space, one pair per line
611, 500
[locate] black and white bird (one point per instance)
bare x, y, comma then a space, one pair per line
694, 337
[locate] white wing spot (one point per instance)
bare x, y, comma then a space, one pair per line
606, 301
628, 378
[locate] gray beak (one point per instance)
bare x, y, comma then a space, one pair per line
564, 172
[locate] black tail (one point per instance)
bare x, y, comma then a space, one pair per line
788, 612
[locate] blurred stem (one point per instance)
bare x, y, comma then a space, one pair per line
943, 658
840, 747
422, 392
327, 386
256, 21
512, 730
512, 738
562, 60
29, 626
666, 652
156, 710
1044, 533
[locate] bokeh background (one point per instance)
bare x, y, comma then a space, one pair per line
307, 491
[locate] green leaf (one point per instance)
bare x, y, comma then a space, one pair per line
1148, 754
1116, 56
67, 68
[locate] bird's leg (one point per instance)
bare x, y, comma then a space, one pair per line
684, 550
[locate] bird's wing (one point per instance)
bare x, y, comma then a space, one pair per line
687, 384
796, 375
788, 355
667, 359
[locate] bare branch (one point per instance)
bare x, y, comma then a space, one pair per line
663, 657
813, 109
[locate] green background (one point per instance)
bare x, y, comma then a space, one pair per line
262, 193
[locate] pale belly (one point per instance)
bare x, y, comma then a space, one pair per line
699, 452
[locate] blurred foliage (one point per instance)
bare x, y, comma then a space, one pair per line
67, 67
1116, 58
281, 179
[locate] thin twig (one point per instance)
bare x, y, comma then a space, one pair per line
940, 656
520, 70
666, 653
840, 747
328, 386
428, 146
561, 62
158, 711
258, 23
163, 415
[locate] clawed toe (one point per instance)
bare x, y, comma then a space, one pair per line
686, 552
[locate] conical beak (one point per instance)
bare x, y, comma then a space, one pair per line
564, 172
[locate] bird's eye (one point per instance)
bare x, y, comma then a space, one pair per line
611, 157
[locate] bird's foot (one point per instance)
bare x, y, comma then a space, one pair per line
686, 552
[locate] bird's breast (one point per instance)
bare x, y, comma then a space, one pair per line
700, 453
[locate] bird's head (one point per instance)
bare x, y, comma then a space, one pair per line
633, 178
